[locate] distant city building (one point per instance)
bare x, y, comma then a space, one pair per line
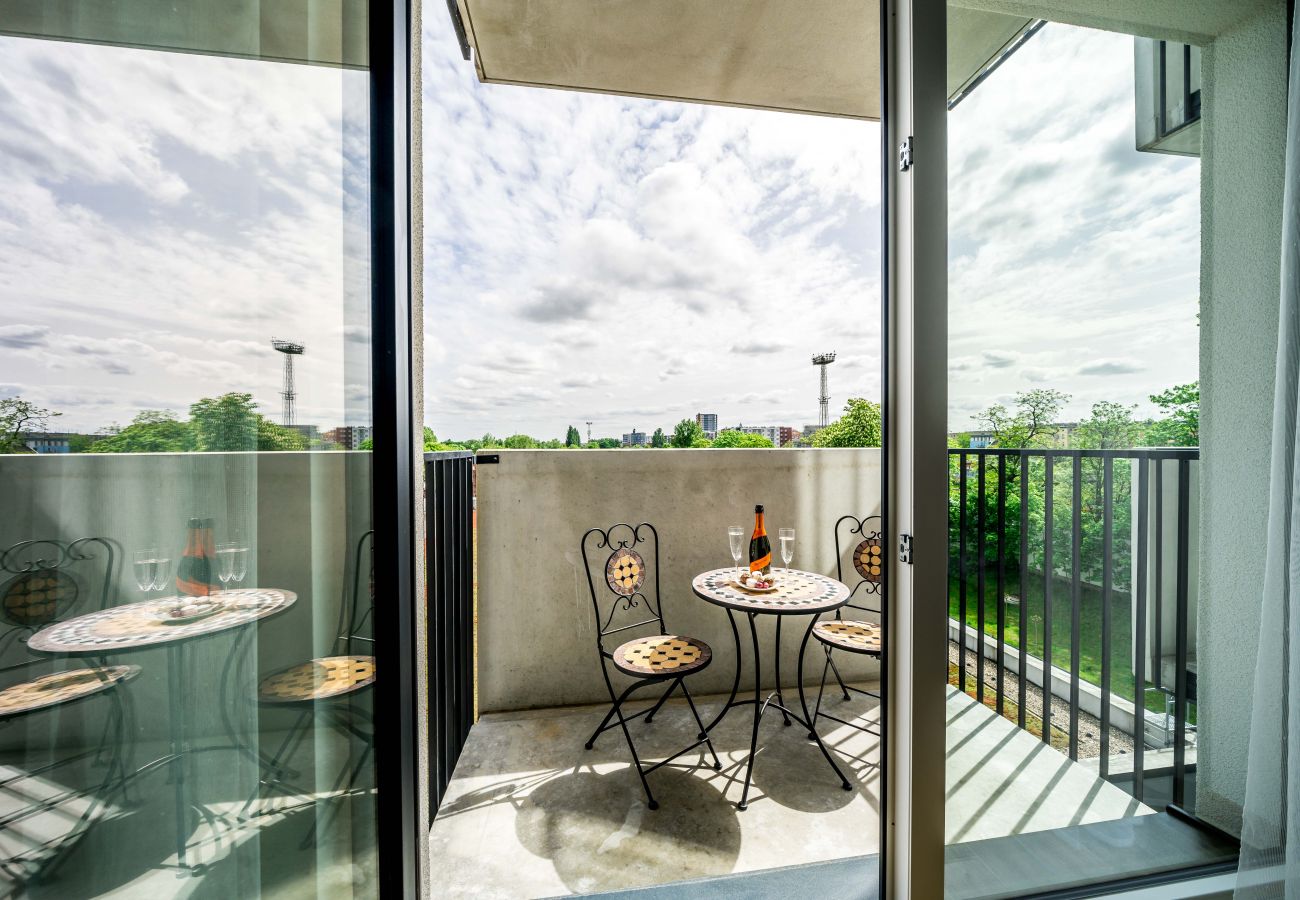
349, 437
979, 440
1062, 436
771, 432
787, 436
634, 439
49, 441
708, 423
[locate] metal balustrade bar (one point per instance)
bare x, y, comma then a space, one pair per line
983, 522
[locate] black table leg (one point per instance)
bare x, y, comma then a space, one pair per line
780, 698
803, 702
735, 682
758, 713
176, 725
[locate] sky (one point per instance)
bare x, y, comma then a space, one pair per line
587, 258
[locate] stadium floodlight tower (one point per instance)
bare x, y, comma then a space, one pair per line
822, 360
290, 349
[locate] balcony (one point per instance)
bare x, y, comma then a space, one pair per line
525, 808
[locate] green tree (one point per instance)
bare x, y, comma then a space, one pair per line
686, 433
151, 431
659, 439
18, 416
1181, 426
1109, 426
858, 427
228, 422
367, 444
606, 444
732, 439
573, 437
520, 442
271, 436
1033, 423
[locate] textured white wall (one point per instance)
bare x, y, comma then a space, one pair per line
537, 633
1241, 234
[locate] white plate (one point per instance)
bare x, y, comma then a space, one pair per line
776, 586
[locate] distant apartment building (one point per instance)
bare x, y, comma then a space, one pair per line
787, 436
708, 423
349, 437
634, 438
1062, 437
771, 432
49, 441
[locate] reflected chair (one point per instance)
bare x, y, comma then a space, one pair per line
321, 689
858, 635
44, 581
661, 658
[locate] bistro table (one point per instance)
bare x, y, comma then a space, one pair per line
797, 593
139, 626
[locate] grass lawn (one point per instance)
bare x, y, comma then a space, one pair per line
1121, 620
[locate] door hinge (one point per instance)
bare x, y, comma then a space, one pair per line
905, 154
905, 549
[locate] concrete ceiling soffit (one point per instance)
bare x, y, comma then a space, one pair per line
814, 56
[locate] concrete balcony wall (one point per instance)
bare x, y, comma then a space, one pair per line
301, 513
536, 624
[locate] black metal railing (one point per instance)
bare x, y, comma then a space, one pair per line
1059, 509
449, 542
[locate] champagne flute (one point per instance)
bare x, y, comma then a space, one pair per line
232, 563
786, 536
146, 569
736, 535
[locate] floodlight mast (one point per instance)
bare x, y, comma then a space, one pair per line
822, 360
290, 349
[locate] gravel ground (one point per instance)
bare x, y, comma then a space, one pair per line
1089, 726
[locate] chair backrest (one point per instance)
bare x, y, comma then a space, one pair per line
356, 609
620, 553
43, 581
864, 536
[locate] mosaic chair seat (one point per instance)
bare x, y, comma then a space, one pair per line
859, 635
616, 558
322, 689
43, 582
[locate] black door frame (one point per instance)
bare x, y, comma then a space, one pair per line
394, 476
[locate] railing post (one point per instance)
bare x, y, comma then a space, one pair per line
1076, 599
1140, 629
1023, 589
981, 498
961, 574
1002, 579
1048, 528
1180, 637
1107, 537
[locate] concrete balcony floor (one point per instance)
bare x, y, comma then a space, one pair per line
530, 813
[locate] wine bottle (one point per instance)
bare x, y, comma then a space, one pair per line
194, 572
760, 548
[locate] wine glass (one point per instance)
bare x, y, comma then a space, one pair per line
736, 535
786, 536
146, 569
232, 563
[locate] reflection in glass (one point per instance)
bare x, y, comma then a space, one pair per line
179, 214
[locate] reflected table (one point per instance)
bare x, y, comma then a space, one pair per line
140, 626
797, 593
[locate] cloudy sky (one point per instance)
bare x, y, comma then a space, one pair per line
622, 261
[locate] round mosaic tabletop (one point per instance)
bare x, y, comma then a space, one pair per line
797, 592
143, 624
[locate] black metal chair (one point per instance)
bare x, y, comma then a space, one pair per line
44, 586
855, 635
318, 688
655, 660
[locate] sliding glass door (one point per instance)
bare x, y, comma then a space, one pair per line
204, 254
